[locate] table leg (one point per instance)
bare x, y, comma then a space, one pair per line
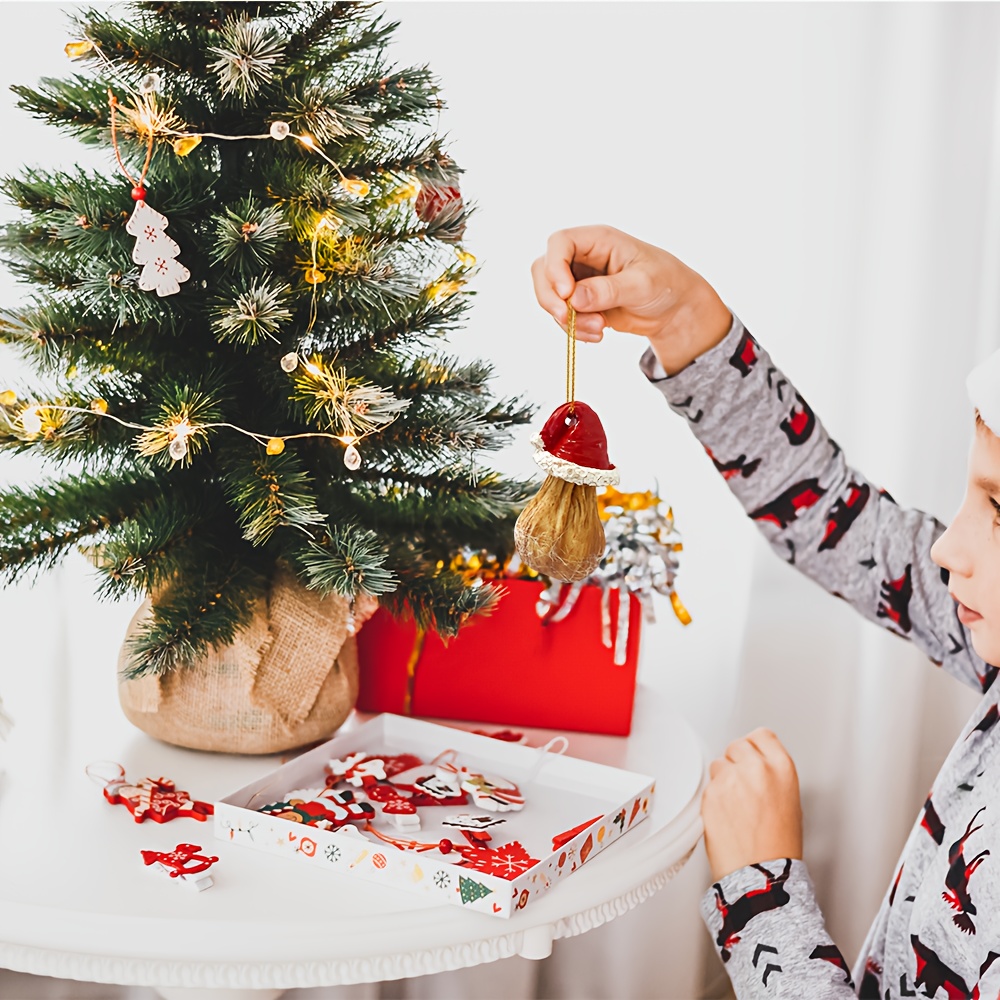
186, 993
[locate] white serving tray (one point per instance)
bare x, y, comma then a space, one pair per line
560, 793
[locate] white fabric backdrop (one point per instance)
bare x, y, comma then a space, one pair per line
835, 171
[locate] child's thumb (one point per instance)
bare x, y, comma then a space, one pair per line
603, 292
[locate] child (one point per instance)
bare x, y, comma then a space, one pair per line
938, 930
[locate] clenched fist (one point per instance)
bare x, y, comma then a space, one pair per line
751, 808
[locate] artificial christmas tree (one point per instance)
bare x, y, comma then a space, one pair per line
261, 395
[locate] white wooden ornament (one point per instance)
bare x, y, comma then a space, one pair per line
161, 272
163, 276
200, 882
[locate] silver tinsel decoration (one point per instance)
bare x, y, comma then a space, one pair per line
640, 559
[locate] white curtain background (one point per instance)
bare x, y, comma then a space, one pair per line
834, 170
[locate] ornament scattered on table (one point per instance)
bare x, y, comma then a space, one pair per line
327, 809
402, 813
183, 863
504, 735
427, 788
640, 558
358, 769
559, 532
157, 799
495, 794
507, 861
156, 251
561, 839
475, 829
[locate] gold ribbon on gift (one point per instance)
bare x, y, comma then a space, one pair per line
411, 668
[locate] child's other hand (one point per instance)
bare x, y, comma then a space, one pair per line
751, 808
612, 279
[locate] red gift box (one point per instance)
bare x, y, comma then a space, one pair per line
508, 667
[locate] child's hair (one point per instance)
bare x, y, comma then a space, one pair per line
979, 420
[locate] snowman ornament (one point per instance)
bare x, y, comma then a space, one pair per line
154, 250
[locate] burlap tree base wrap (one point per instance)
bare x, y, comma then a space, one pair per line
289, 679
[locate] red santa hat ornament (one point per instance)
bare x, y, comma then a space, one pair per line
983, 385
560, 533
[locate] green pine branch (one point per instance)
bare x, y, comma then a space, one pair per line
403, 500
442, 601
345, 559
39, 525
268, 492
157, 544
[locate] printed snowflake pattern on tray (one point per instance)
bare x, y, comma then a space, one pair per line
507, 861
442, 880
332, 853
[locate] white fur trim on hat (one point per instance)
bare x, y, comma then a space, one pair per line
570, 471
983, 385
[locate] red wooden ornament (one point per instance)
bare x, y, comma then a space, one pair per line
560, 839
157, 799
431, 201
508, 861
183, 860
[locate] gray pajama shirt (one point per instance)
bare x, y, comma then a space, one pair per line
937, 933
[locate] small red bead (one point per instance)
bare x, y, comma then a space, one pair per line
445, 846
139, 193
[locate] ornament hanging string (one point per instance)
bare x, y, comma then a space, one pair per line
571, 358
137, 184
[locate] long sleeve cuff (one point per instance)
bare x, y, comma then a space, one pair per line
700, 371
769, 933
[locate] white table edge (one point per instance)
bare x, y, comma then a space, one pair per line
530, 940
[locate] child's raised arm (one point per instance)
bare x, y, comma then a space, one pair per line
817, 513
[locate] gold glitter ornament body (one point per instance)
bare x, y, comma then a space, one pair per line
559, 532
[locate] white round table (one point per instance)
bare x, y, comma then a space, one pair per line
77, 902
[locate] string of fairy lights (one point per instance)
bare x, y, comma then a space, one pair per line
353, 407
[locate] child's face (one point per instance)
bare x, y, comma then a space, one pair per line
970, 548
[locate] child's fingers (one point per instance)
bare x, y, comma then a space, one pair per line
589, 326
769, 746
629, 288
560, 253
546, 294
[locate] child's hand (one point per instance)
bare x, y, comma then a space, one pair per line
751, 808
612, 279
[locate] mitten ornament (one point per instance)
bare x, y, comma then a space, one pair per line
559, 533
